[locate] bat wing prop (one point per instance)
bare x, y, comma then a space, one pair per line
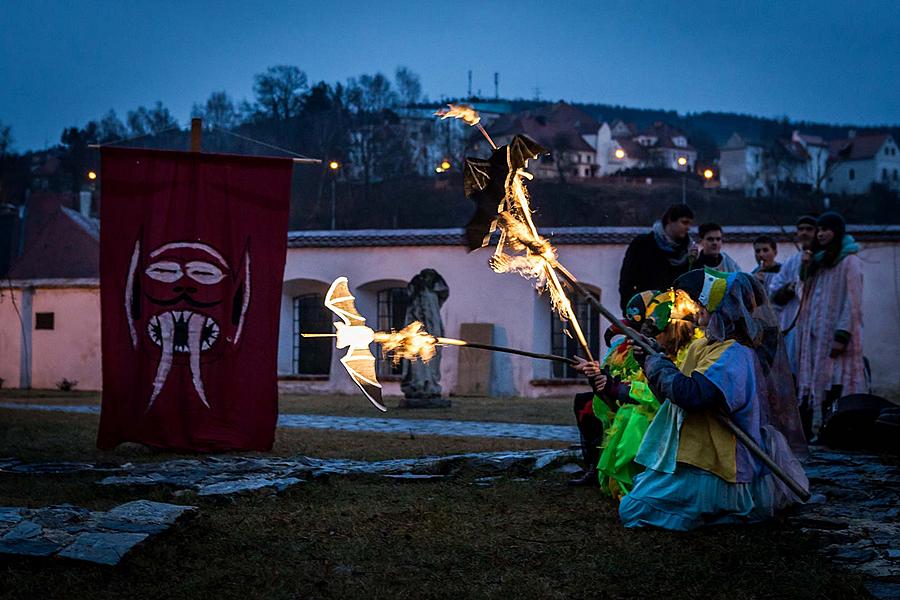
484, 182
353, 334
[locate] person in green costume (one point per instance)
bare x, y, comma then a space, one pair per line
622, 402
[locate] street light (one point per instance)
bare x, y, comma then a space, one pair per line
682, 161
334, 166
445, 165
620, 154
92, 175
708, 174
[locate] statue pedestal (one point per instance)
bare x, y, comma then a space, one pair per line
433, 402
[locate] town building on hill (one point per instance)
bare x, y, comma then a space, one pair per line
846, 166
859, 161
742, 166
621, 146
567, 132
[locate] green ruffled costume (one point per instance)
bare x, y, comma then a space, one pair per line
624, 429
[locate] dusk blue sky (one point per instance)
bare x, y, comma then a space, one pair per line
63, 63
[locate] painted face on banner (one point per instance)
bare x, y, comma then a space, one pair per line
186, 306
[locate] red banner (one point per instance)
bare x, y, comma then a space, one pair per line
192, 250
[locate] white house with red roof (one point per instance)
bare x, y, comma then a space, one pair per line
621, 146
858, 162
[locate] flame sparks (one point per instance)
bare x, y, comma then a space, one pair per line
460, 111
409, 343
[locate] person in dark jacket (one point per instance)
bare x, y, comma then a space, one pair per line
653, 260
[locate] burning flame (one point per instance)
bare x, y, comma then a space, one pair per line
460, 111
411, 342
530, 255
683, 307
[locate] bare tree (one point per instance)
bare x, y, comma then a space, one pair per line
143, 121
409, 86
279, 91
6, 139
111, 128
370, 94
218, 111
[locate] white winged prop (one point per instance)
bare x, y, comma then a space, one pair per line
353, 334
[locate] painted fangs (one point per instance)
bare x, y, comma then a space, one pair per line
180, 318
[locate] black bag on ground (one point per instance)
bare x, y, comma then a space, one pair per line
861, 422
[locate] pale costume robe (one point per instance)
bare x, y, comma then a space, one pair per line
787, 314
833, 301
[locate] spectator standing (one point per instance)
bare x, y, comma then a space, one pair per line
654, 259
711, 255
785, 288
767, 267
830, 325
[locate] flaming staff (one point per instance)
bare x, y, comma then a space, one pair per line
534, 257
412, 342
498, 187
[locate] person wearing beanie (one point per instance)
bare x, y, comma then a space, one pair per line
786, 288
830, 324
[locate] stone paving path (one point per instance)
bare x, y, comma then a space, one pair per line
855, 510
564, 433
68, 531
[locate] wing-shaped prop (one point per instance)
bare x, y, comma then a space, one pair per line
353, 334
485, 183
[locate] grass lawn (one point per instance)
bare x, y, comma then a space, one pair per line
367, 537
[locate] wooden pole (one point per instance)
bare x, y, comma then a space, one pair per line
464, 344
196, 132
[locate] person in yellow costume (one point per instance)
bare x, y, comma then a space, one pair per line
621, 404
695, 472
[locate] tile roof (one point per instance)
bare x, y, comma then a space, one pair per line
551, 126
560, 236
861, 147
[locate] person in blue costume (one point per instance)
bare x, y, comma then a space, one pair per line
695, 472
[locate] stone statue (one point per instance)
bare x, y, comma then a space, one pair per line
421, 383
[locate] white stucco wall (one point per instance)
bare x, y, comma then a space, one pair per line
477, 295
522, 319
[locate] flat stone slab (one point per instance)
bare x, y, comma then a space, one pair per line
564, 433
103, 548
226, 475
77, 533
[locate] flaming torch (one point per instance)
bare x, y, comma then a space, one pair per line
412, 342
534, 257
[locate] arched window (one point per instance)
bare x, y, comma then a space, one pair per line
565, 345
312, 356
392, 303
